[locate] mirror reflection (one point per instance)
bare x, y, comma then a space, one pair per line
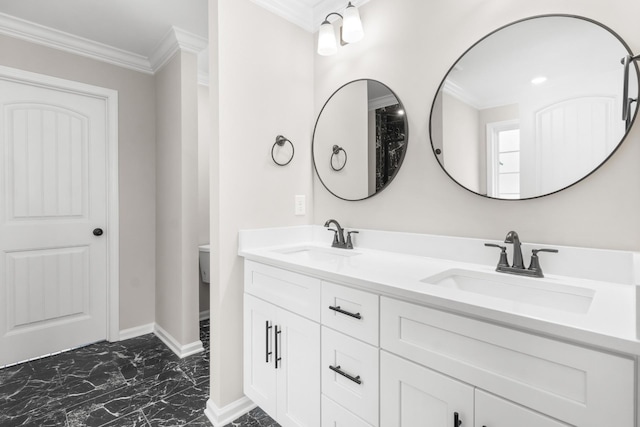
532, 108
360, 140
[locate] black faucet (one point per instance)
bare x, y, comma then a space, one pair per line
338, 236
534, 269
512, 237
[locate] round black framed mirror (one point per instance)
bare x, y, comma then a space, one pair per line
534, 107
360, 139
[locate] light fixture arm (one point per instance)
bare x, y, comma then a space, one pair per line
326, 19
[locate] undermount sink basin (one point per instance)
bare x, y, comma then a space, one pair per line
526, 290
311, 253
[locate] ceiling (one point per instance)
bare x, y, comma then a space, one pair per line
136, 33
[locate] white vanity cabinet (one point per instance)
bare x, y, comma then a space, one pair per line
347, 356
492, 411
412, 395
281, 348
573, 384
350, 366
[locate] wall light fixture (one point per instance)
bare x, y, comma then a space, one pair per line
350, 32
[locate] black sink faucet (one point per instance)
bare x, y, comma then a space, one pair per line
512, 237
338, 235
534, 269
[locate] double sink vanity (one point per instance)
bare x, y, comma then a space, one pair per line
409, 329
389, 329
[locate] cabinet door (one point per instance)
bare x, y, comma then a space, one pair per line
298, 344
334, 415
412, 396
259, 368
492, 411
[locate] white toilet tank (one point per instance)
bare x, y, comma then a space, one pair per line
204, 263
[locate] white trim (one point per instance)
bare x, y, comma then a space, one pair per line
492, 170
451, 88
382, 101
220, 417
298, 13
204, 315
50, 37
136, 331
174, 40
181, 351
113, 217
110, 97
325, 7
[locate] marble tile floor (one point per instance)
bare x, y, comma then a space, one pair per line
134, 383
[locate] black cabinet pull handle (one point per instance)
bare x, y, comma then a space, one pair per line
346, 313
97, 232
277, 337
267, 327
337, 370
456, 420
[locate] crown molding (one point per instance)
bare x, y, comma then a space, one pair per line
325, 7
308, 18
175, 39
293, 11
382, 101
46, 36
457, 92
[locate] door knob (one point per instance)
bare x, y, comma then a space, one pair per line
97, 231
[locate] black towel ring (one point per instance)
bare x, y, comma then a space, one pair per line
335, 151
280, 140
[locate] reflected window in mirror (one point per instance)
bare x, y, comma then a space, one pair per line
558, 80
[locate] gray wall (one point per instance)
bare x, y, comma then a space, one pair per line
136, 151
409, 45
177, 198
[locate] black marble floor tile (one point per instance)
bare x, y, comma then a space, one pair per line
179, 409
255, 418
134, 383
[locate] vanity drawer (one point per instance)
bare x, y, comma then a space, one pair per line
352, 311
295, 292
360, 362
334, 415
577, 385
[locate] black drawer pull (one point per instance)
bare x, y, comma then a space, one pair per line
276, 339
337, 370
346, 313
456, 420
267, 352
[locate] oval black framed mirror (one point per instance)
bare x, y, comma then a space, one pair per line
360, 140
533, 108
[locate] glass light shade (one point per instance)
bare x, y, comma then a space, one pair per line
352, 26
327, 44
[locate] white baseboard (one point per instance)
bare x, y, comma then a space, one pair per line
137, 331
204, 315
180, 350
220, 417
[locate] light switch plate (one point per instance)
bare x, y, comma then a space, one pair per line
300, 205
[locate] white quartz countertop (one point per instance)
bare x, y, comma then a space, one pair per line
609, 323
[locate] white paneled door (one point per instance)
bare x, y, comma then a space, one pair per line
53, 206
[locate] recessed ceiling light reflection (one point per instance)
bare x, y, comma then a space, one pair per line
538, 80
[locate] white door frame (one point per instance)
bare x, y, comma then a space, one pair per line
112, 234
